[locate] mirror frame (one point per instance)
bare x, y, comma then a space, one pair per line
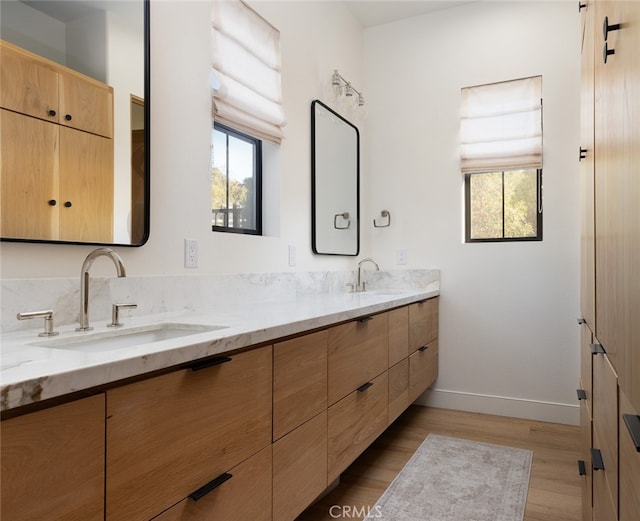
315, 178
147, 150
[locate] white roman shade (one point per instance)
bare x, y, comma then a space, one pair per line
246, 64
501, 126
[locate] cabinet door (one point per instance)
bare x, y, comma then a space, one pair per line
604, 505
587, 163
586, 366
629, 466
398, 335
586, 443
27, 84
86, 104
605, 424
617, 135
423, 369
354, 422
53, 463
299, 468
398, 389
86, 187
246, 495
28, 177
423, 323
299, 381
170, 435
358, 352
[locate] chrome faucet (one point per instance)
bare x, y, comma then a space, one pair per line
361, 285
84, 281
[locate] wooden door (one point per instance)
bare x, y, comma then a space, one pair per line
28, 84
53, 463
28, 177
86, 104
86, 187
423, 323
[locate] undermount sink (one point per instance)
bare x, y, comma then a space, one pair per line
130, 337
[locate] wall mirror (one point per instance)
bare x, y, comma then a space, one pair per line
74, 121
335, 182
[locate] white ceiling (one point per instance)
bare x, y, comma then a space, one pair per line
378, 12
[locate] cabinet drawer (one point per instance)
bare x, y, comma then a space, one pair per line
423, 370
629, 467
398, 389
423, 323
398, 335
299, 468
246, 495
299, 381
605, 419
354, 422
53, 463
167, 436
358, 352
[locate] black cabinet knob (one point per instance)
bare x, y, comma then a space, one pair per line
51, 112
68, 204
606, 28
606, 52
68, 117
52, 202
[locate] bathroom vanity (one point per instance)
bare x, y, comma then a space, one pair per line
251, 420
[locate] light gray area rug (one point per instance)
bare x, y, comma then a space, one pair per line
451, 479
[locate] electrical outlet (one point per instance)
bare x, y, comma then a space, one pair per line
292, 255
190, 253
401, 257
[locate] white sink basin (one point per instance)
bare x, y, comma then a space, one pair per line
130, 337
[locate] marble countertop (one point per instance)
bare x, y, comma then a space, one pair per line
31, 372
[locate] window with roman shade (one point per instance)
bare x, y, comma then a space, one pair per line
501, 126
246, 64
501, 158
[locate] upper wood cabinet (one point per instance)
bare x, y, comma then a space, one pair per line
53, 463
358, 351
41, 88
629, 466
423, 323
170, 435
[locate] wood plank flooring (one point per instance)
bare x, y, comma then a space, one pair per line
554, 488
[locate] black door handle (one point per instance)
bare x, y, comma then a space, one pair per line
212, 485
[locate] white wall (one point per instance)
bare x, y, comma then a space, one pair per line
316, 38
507, 322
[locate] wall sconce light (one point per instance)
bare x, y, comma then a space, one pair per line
342, 87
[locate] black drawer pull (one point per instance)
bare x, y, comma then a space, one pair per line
582, 395
364, 319
582, 468
581, 321
632, 421
596, 459
597, 349
204, 364
364, 387
204, 490
423, 348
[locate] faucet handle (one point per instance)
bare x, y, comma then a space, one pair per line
115, 313
48, 320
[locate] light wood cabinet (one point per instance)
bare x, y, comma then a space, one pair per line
423, 369
358, 351
398, 334
53, 463
354, 422
57, 155
398, 389
245, 495
299, 468
423, 323
170, 435
629, 465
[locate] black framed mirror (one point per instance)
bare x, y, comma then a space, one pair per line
335, 183
74, 121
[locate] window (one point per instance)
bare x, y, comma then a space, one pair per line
501, 159
236, 182
503, 206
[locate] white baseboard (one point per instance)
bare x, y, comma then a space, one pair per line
502, 406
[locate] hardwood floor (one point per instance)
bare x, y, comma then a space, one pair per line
554, 488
